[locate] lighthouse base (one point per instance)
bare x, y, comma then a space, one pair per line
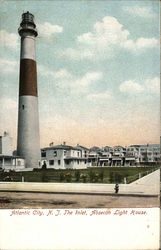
28, 131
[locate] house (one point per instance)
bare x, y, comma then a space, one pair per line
84, 151
149, 153
118, 158
6, 144
131, 156
63, 157
105, 159
9, 162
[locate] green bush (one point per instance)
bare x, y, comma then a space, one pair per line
77, 175
101, 176
91, 176
118, 178
111, 177
61, 177
84, 178
68, 177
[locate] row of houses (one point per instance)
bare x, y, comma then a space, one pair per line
78, 157
65, 156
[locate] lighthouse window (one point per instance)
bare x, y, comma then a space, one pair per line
23, 106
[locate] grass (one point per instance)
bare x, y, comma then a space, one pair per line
90, 175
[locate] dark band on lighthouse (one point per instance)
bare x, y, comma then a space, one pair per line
28, 77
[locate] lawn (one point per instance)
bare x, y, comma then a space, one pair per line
90, 175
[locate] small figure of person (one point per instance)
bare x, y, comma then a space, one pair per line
44, 165
116, 188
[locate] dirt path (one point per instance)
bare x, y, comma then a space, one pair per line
15, 200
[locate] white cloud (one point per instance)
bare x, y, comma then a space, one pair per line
9, 40
88, 78
77, 54
62, 74
141, 44
109, 32
100, 96
43, 71
8, 66
106, 37
131, 87
66, 80
144, 12
8, 102
153, 85
47, 29
106, 32
148, 86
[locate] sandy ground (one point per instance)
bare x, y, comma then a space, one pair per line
15, 200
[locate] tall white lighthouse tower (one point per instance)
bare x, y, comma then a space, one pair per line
28, 142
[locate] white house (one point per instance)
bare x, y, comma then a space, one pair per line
6, 144
63, 157
8, 162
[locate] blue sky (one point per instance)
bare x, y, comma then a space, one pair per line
98, 70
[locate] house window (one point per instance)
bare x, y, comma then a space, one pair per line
55, 153
78, 162
51, 162
59, 161
23, 106
43, 154
65, 152
78, 153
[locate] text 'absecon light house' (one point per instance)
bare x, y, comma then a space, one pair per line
28, 142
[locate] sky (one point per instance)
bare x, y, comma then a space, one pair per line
97, 66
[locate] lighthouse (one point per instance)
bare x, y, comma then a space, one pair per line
28, 141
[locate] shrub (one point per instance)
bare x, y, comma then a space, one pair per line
111, 177
44, 178
84, 177
118, 178
77, 176
61, 177
68, 177
91, 176
101, 176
